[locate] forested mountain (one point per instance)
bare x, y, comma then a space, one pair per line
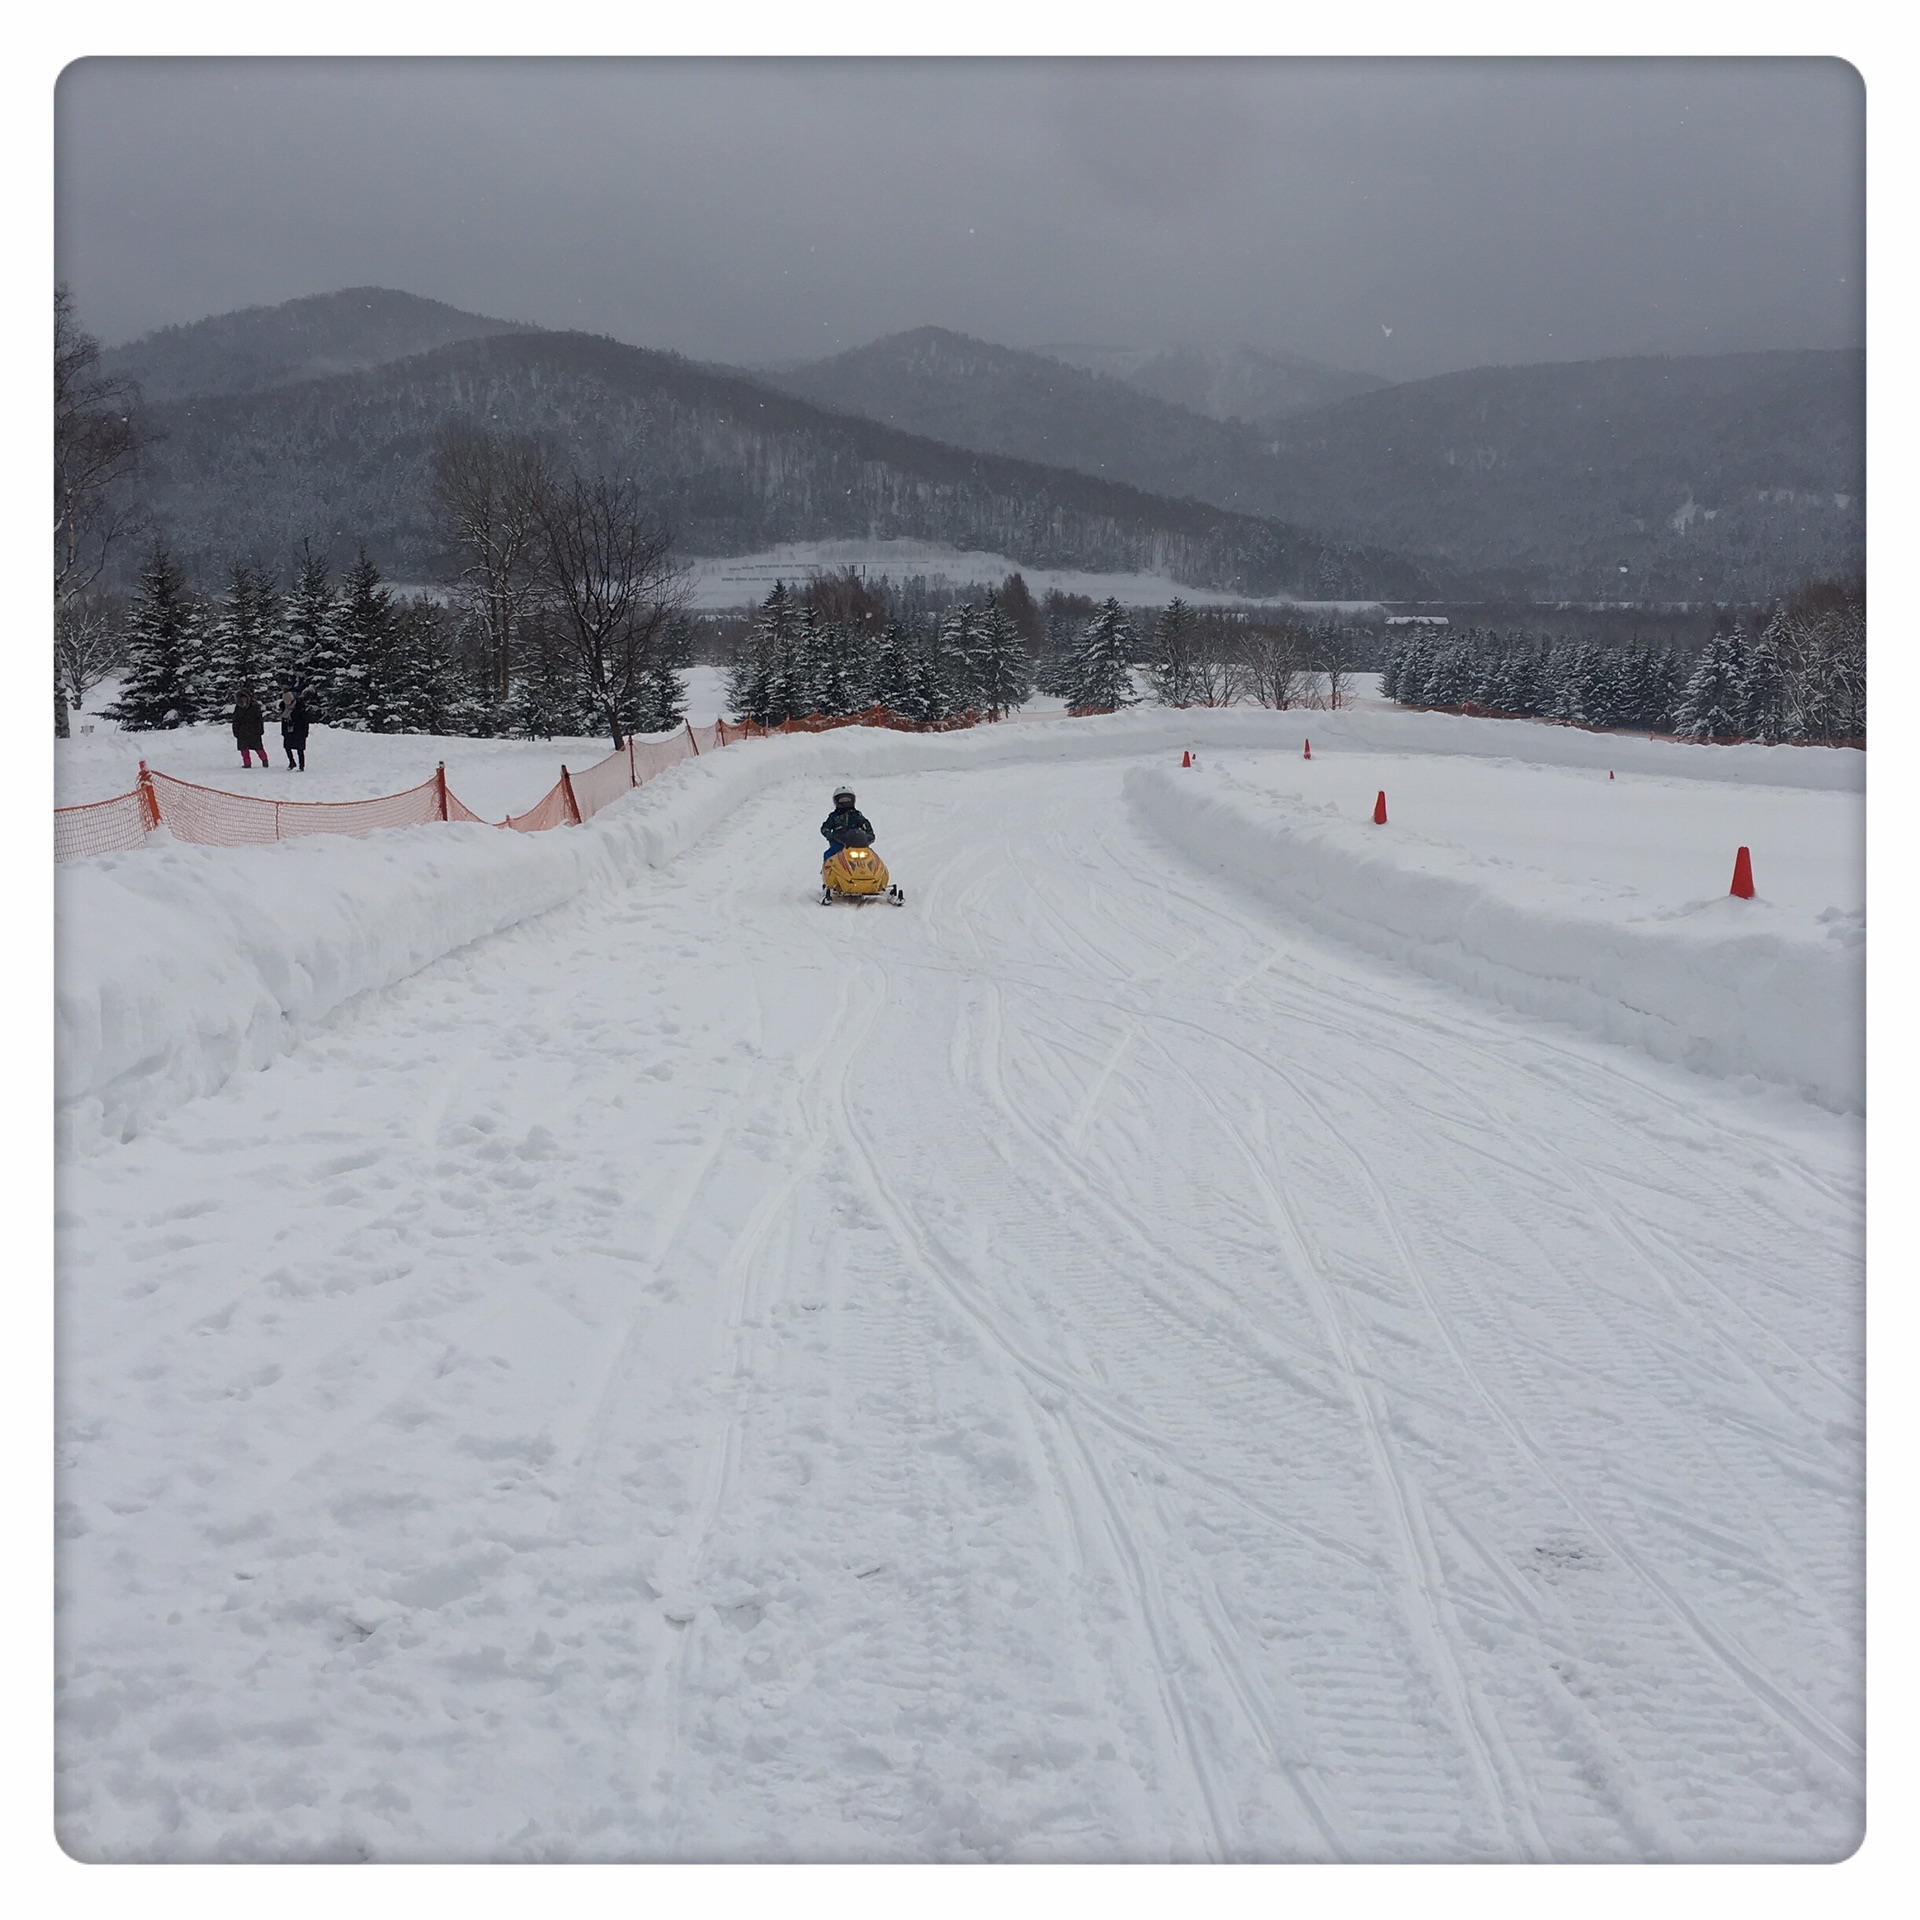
736, 466
327, 333
1717, 477
1224, 383
1722, 477
1711, 478
1000, 400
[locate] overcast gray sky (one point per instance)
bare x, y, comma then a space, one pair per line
1484, 211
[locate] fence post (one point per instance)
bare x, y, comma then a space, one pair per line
440, 789
692, 740
633, 766
573, 805
149, 800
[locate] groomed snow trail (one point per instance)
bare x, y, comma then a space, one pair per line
1075, 1368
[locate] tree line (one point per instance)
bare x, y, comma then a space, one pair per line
566, 613
1802, 676
843, 644
567, 616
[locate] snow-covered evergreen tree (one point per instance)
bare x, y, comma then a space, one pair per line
767, 680
363, 700
1173, 671
1648, 695
159, 647
1415, 668
1450, 674
662, 690
1494, 685
1593, 689
1713, 707
1002, 671
1765, 717
956, 662
1485, 669
1671, 673
1102, 676
893, 669
422, 689
813, 663
310, 658
1391, 658
243, 640
831, 665
1829, 673
1053, 672
937, 681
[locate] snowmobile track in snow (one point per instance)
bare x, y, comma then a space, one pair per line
1084, 1370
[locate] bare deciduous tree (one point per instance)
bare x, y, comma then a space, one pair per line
1220, 672
610, 577
85, 645
489, 489
1277, 664
97, 438
1332, 658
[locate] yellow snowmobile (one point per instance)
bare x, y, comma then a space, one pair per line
858, 874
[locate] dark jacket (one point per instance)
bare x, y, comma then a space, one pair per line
249, 723
294, 722
848, 827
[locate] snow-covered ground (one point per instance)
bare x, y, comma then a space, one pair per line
494, 777
1217, 1331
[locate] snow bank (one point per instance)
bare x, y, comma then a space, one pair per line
179, 966
1724, 986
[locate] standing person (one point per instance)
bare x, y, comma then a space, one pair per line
294, 722
249, 728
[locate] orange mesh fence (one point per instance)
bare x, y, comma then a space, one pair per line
607, 780
554, 809
211, 818
651, 757
208, 816
457, 809
101, 826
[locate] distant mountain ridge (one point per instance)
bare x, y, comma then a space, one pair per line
1710, 477
1695, 477
1250, 384
737, 465
306, 339
1706, 478
996, 399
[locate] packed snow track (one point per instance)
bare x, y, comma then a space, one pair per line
1079, 1369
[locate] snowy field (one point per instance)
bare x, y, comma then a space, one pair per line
744, 580
1219, 1331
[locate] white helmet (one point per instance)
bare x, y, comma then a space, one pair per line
843, 792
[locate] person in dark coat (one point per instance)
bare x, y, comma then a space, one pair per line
294, 722
845, 826
249, 729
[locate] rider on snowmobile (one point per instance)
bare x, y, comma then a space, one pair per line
844, 826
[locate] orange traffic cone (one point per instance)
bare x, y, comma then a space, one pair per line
1307, 753
1186, 759
1742, 875
1380, 809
